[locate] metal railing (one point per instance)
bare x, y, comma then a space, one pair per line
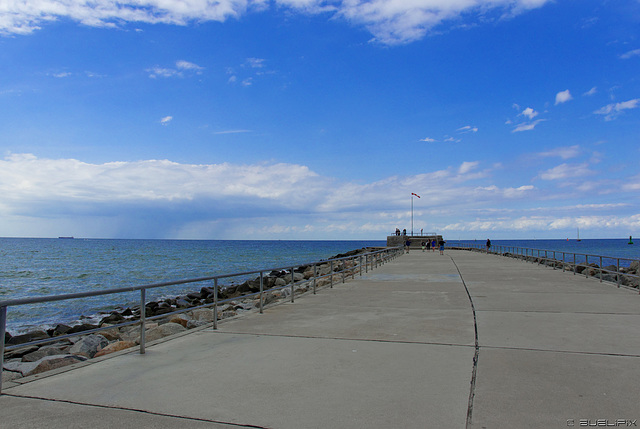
345, 266
577, 263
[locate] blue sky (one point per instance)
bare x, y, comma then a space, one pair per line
306, 119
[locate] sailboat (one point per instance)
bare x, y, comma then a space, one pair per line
578, 235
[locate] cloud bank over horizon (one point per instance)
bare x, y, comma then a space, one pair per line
174, 200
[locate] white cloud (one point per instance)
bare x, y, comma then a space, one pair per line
390, 21
613, 110
592, 91
562, 152
181, 67
428, 140
166, 120
255, 63
563, 97
529, 113
186, 65
527, 126
566, 171
466, 167
467, 129
630, 54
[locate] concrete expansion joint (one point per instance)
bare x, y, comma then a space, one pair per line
135, 410
476, 356
575, 352
559, 312
363, 340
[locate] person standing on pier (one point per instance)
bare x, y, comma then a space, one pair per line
488, 245
428, 245
407, 245
433, 245
441, 244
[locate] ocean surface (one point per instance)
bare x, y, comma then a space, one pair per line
37, 267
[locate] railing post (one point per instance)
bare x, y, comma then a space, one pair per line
586, 263
293, 280
261, 290
618, 271
353, 269
315, 274
366, 264
331, 276
600, 269
143, 315
360, 265
575, 267
215, 303
3, 329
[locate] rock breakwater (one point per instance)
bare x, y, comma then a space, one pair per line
120, 329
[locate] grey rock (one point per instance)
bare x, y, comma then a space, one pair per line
29, 336
42, 352
46, 363
88, 346
163, 331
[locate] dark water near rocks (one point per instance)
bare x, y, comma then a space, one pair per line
37, 267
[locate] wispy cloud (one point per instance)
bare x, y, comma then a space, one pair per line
563, 97
527, 126
562, 152
166, 120
613, 110
630, 54
180, 69
428, 140
566, 171
592, 91
255, 63
467, 129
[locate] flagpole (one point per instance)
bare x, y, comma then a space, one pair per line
412, 214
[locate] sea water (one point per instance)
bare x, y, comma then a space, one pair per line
31, 267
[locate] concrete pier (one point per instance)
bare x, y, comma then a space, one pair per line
427, 341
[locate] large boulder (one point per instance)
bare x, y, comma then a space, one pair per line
163, 331
115, 347
28, 337
46, 363
88, 346
202, 314
42, 352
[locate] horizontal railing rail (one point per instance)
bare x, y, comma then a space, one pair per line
344, 266
577, 263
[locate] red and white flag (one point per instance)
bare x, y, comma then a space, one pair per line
415, 195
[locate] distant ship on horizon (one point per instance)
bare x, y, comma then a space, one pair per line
66, 238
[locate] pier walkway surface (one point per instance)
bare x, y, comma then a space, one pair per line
426, 341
